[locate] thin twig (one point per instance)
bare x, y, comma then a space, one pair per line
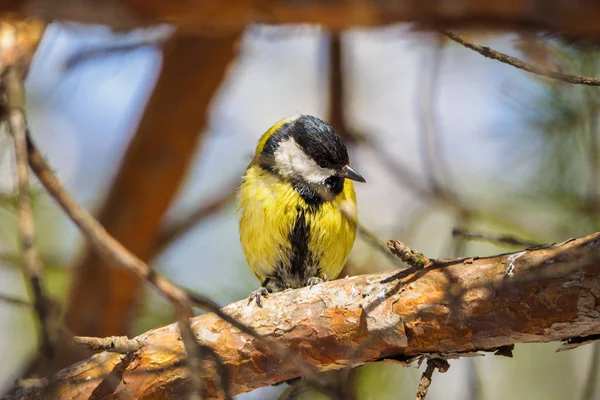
194, 355
304, 368
83, 56
401, 173
222, 371
115, 253
520, 64
374, 241
408, 255
430, 141
425, 382
32, 265
113, 344
413, 258
14, 300
509, 240
177, 229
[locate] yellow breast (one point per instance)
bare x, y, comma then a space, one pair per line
269, 208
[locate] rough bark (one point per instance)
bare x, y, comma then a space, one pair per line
165, 143
573, 18
450, 307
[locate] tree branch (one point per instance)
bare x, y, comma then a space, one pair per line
520, 64
558, 16
192, 70
4, 298
33, 268
172, 232
115, 253
450, 308
509, 240
425, 382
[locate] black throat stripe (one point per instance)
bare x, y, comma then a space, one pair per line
301, 258
309, 193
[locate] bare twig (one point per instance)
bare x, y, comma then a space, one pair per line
520, 64
114, 344
222, 371
374, 241
430, 141
306, 369
194, 354
509, 240
408, 255
432, 364
401, 173
32, 265
13, 300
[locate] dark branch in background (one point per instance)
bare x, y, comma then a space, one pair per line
108, 247
432, 364
216, 17
509, 240
14, 300
32, 266
86, 55
404, 176
179, 102
433, 157
517, 63
459, 249
174, 231
337, 91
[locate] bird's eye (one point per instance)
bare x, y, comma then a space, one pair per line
323, 164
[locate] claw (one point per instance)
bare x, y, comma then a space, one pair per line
257, 296
315, 280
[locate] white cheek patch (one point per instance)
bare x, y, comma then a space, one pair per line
292, 161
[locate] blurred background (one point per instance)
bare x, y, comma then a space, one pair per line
152, 132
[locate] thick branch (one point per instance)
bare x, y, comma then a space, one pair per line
458, 306
558, 16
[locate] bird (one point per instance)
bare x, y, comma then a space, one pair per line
297, 206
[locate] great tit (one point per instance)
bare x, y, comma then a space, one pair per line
297, 206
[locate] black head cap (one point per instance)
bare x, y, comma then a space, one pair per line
316, 137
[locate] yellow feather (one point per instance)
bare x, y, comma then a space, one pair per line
263, 139
269, 207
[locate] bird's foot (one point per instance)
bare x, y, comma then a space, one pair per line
315, 280
257, 295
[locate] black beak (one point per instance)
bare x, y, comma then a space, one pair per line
348, 172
